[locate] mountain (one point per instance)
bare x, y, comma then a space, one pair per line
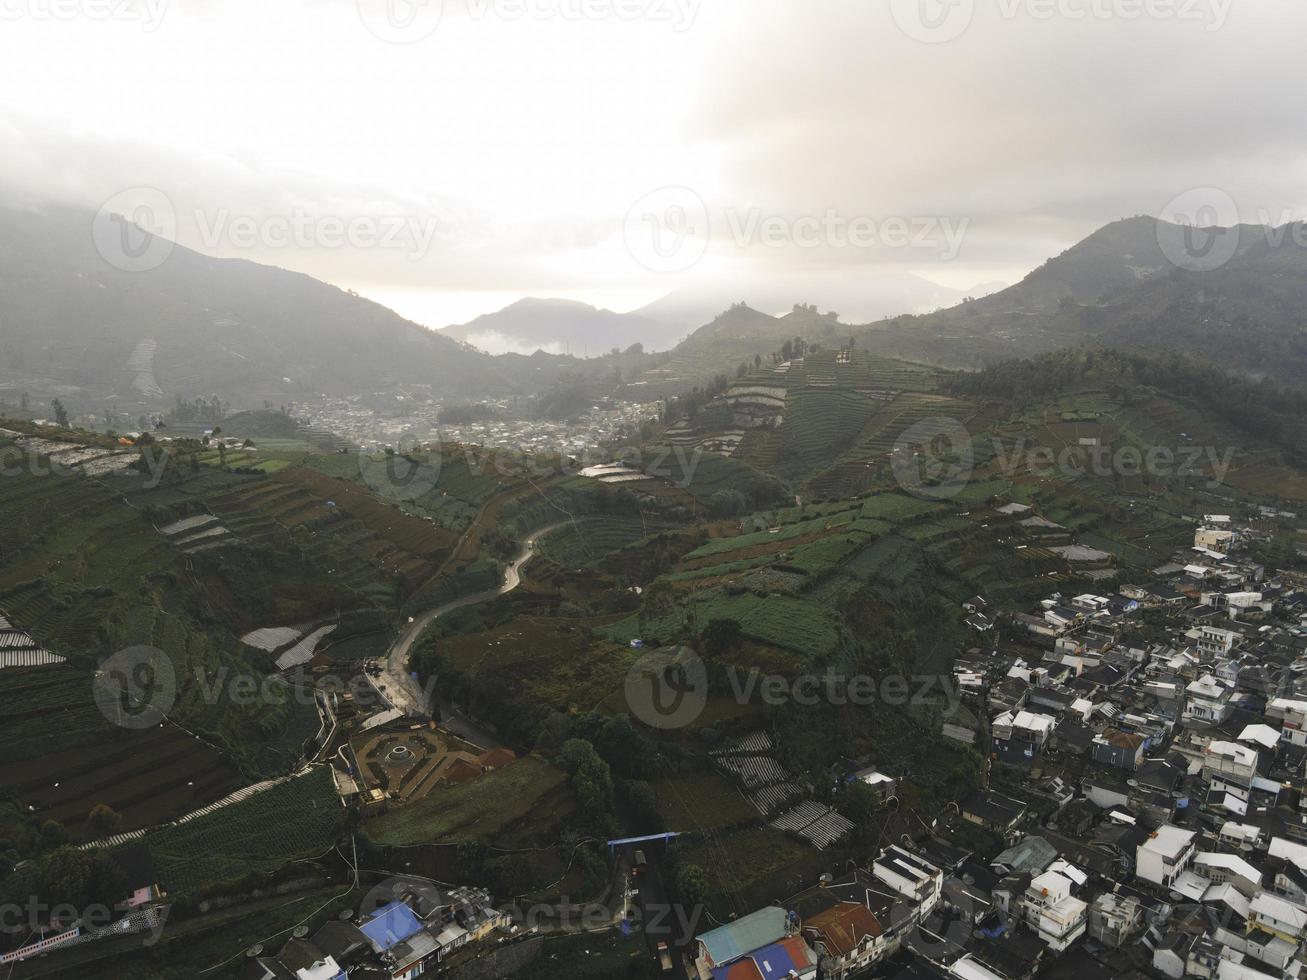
561, 326
859, 296
75, 326
1119, 288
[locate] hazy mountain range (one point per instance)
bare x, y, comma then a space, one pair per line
70, 324
563, 326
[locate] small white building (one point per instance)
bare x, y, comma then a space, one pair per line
1208, 700
1278, 917
911, 875
1230, 762
1165, 856
1292, 713
1058, 917
1221, 868
1217, 642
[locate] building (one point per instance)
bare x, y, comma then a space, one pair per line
911, 876
1056, 916
1230, 763
1216, 642
734, 941
882, 785
1278, 917
1165, 856
1113, 747
400, 940
993, 811
1292, 714
1208, 701
1213, 539
847, 937
1115, 919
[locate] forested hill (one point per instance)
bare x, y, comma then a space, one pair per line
1271, 412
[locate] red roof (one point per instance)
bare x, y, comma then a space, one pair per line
844, 926
745, 969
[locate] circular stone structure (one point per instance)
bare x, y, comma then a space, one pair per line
400, 755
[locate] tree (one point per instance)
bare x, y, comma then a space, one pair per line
691, 884
728, 503
859, 804
104, 821
53, 834
720, 636
60, 413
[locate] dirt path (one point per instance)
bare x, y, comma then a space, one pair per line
404, 692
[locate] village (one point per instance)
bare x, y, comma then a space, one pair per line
1143, 814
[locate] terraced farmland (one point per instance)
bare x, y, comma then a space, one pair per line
298, 819
63, 756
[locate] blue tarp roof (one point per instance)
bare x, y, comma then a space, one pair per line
775, 961
390, 925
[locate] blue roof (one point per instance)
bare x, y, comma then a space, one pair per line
391, 925
775, 961
742, 937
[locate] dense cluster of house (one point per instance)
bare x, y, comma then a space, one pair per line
401, 939
1146, 789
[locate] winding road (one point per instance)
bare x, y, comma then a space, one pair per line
404, 692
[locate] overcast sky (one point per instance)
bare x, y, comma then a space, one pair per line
610, 150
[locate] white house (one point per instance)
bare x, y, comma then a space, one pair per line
1053, 912
1221, 868
1165, 856
1208, 700
1278, 917
1293, 714
1230, 762
910, 875
1216, 641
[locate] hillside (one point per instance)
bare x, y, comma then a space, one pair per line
73, 325
1119, 288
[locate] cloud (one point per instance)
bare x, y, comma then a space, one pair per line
512, 149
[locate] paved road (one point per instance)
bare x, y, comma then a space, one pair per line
402, 691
